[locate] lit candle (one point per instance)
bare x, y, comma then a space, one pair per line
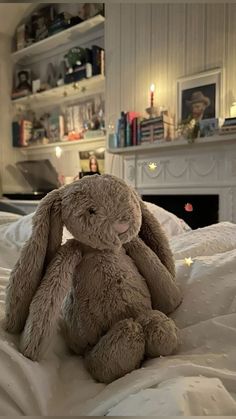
152, 89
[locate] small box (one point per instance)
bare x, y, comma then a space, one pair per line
36, 84
21, 37
77, 75
56, 130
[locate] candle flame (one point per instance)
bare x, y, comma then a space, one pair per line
152, 87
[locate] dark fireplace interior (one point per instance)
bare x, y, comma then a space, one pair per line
202, 211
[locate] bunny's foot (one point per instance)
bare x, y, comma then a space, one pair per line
161, 334
118, 352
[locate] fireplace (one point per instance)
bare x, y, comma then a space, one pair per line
202, 210
172, 174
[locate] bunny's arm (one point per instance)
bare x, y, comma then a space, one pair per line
46, 304
165, 293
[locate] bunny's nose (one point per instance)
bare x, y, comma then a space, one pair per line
121, 227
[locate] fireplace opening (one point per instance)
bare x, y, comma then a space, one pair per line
196, 210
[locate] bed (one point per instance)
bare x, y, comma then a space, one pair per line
199, 380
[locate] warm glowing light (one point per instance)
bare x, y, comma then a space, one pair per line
152, 166
188, 261
152, 87
58, 151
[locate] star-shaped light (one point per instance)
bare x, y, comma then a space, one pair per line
152, 166
188, 261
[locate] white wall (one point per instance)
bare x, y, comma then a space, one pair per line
157, 43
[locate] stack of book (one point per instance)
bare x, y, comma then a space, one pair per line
152, 130
133, 129
228, 127
158, 128
128, 131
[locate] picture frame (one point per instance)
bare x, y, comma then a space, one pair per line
199, 96
92, 161
208, 127
88, 10
23, 80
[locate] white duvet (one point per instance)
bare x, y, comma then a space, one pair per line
199, 380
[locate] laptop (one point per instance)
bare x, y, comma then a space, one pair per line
40, 175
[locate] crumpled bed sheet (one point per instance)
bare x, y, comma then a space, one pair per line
199, 380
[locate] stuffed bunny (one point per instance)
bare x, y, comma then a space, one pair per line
112, 284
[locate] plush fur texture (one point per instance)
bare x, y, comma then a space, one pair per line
112, 285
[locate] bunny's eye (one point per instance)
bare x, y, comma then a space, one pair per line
91, 211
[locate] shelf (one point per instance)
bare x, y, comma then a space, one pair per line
65, 93
61, 38
162, 144
81, 145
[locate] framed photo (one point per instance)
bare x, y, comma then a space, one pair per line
199, 96
23, 80
88, 10
208, 127
92, 161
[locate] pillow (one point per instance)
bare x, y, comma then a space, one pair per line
8, 217
171, 224
19, 231
13, 235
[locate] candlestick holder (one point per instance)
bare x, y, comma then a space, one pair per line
153, 111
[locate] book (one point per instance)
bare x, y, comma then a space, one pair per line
130, 116
227, 130
102, 62
122, 130
139, 120
151, 121
97, 60
21, 133
96, 63
128, 132
155, 129
134, 131
229, 122
56, 129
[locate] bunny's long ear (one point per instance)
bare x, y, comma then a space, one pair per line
37, 252
154, 237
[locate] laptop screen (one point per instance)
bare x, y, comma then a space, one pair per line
40, 174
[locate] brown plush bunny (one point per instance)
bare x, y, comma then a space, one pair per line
113, 284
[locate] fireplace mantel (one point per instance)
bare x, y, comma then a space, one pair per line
208, 166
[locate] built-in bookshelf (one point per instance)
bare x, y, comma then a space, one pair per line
80, 31
62, 94
67, 94
77, 145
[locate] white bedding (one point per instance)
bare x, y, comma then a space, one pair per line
199, 380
